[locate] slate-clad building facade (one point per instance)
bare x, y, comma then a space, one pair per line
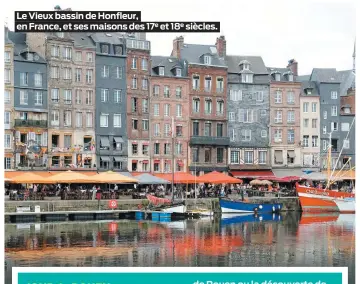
30, 104
209, 140
110, 99
248, 115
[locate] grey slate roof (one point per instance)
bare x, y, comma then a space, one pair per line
168, 62
309, 85
303, 78
282, 72
347, 78
256, 64
325, 75
20, 46
6, 38
111, 38
193, 53
82, 40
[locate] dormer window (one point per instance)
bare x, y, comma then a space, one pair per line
291, 77
308, 92
105, 48
247, 78
118, 50
30, 56
246, 66
178, 72
277, 77
60, 35
347, 110
161, 71
207, 59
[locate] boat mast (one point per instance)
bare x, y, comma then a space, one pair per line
173, 157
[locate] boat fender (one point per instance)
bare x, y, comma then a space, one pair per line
260, 207
273, 208
279, 207
256, 210
260, 218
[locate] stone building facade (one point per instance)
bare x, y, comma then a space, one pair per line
169, 115
284, 132
138, 71
209, 140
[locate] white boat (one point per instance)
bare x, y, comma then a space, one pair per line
346, 205
181, 208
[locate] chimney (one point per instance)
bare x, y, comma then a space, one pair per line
221, 46
178, 44
293, 65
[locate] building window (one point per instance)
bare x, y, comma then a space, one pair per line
55, 51
77, 75
306, 141
117, 96
305, 107
7, 75
104, 48
144, 84
145, 105
263, 112
134, 104
89, 57
262, 157
306, 122
196, 82
134, 124
277, 77
24, 79
118, 72
235, 95
278, 116
334, 111
144, 64
104, 120
156, 90
38, 98
7, 96
166, 92
134, 149
219, 130
105, 71
263, 133
290, 98
7, 119
334, 126
55, 95
278, 136
67, 73
346, 144
291, 136
234, 157
145, 150
78, 56
157, 129
290, 157
245, 135
345, 126
78, 97
208, 106
314, 123
325, 114
178, 149
67, 53
67, 118
7, 142
232, 116
314, 141
291, 78
196, 129
78, 119
178, 92
324, 129
207, 155
89, 119
88, 97
38, 80
232, 135
145, 124
7, 56
196, 105
156, 148
104, 95
178, 72
167, 129
89, 76
166, 110
24, 97
167, 149
278, 97
219, 85
220, 155
178, 110
156, 109
291, 116
249, 157
207, 129
207, 59
55, 118
334, 95
195, 155
313, 107
118, 49
219, 107
325, 145
259, 96
134, 83
117, 120
179, 131
161, 71
207, 84
247, 78
7, 163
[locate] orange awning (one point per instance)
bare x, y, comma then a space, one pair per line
68, 177
179, 177
28, 177
217, 178
111, 178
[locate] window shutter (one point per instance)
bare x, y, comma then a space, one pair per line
44, 139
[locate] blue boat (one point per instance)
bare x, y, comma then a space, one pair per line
235, 206
249, 218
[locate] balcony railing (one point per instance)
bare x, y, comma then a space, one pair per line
209, 140
31, 123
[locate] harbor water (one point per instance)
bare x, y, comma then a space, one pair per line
225, 241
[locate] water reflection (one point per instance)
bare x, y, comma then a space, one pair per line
267, 240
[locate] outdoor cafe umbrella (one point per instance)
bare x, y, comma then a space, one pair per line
217, 178
111, 178
29, 178
68, 177
180, 177
256, 182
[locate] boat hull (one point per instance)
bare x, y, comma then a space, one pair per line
250, 218
317, 205
346, 205
174, 209
232, 206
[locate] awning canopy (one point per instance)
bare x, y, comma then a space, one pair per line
252, 174
278, 157
217, 178
150, 179
117, 159
118, 140
104, 141
105, 159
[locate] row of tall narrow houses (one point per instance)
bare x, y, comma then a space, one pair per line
102, 102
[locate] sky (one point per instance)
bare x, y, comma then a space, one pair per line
316, 33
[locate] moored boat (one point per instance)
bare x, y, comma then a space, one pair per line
346, 205
237, 206
250, 218
166, 205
